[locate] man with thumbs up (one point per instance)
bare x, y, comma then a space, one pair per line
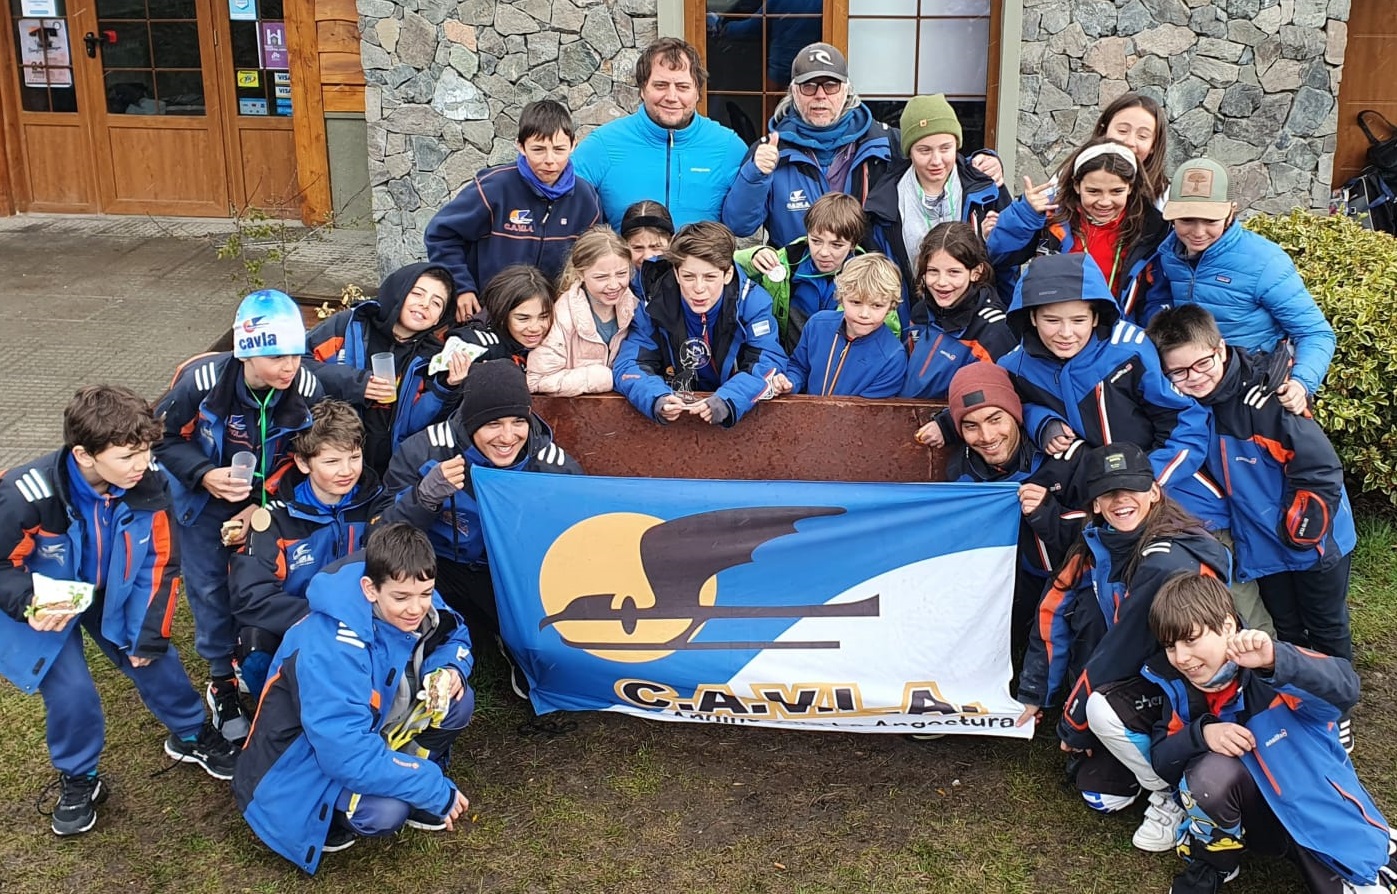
821, 139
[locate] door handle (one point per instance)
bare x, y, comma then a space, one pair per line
93, 41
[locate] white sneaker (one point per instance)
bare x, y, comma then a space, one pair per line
1159, 830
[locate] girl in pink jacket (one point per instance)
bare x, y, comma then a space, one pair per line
591, 317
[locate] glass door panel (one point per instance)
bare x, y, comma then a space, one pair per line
151, 61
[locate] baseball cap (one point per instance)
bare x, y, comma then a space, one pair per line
1122, 466
1199, 189
819, 60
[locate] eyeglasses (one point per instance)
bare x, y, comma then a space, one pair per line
828, 88
1202, 366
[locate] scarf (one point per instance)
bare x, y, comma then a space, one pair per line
561, 187
825, 142
920, 212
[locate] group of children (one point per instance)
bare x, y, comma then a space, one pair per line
1119, 346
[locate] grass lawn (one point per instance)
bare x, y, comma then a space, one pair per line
626, 805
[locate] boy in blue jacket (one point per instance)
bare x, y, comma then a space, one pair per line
1084, 373
1290, 514
365, 697
530, 212
850, 351
325, 507
96, 513
411, 307
1247, 735
254, 400
1245, 280
705, 326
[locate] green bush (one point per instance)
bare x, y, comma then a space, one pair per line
1352, 272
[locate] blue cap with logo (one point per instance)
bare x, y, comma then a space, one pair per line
268, 324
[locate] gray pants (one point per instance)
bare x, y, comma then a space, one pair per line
1246, 595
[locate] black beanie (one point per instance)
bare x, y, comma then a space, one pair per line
493, 390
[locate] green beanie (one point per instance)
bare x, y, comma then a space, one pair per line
927, 115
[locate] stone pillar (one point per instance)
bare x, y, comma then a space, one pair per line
446, 81
1252, 84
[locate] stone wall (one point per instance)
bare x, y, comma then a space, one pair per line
1250, 83
446, 80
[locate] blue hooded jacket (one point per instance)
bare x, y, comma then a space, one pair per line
1253, 289
1113, 388
688, 170
338, 352
319, 728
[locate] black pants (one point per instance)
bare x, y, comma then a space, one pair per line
1310, 608
1227, 809
469, 590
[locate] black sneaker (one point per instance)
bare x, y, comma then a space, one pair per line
209, 750
1202, 878
1346, 734
226, 705
338, 839
76, 811
425, 820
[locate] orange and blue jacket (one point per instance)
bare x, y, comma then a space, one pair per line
41, 533
1298, 764
1092, 625
1283, 482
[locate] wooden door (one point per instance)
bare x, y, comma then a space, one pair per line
46, 111
152, 105
1369, 81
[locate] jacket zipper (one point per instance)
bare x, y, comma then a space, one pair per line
669, 152
543, 233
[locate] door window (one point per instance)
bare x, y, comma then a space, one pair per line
44, 51
749, 45
942, 46
261, 63
897, 49
151, 61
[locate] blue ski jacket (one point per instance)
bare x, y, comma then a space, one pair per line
745, 344
319, 726
827, 362
1298, 764
42, 532
1253, 289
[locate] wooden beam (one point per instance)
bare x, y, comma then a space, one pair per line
308, 114
13, 195
343, 98
992, 75
836, 30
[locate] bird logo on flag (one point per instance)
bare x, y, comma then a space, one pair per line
633, 588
